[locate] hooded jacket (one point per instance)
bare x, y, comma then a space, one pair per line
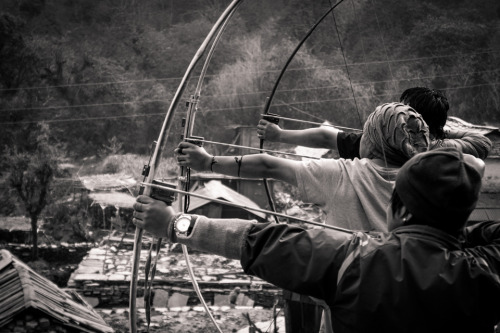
413, 279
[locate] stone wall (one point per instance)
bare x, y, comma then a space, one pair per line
103, 278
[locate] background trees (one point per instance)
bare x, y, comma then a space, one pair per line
31, 164
97, 70
102, 73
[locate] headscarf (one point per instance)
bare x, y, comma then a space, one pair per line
394, 132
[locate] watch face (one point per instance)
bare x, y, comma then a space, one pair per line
182, 225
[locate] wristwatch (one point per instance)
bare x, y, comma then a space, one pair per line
183, 225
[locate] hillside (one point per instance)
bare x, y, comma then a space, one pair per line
103, 72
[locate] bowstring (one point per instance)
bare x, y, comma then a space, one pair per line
345, 64
275, 87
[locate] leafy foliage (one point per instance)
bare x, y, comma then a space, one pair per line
107, 70
68, 223
31, 166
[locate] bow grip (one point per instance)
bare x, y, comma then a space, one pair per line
196, 140
162, 194
271, 117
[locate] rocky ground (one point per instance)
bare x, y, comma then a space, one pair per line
229, 320
183, 319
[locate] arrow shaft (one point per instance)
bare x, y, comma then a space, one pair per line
232, 204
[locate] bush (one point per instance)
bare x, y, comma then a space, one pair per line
68, 222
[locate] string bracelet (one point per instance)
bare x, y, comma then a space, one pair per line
238, 161
212, 164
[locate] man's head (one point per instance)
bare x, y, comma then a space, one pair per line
431, 104
394, 132
439, 188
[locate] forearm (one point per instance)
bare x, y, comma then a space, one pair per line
255, 166
320, 137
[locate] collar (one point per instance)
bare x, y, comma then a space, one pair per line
430, 233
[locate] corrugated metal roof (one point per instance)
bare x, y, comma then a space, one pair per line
107, 182
215, 189
457, 123
21, 288
118, 199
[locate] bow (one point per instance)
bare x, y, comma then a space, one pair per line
156, 156
218, 26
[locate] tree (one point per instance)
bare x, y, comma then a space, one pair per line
18, 61
31, 166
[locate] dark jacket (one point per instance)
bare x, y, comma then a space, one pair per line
414, 279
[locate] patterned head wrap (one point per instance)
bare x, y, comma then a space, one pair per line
394, 132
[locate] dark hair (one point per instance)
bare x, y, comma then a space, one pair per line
431, 104
397, 204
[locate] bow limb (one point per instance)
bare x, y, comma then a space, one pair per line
232, 204
197, 93
155, 159
292, 55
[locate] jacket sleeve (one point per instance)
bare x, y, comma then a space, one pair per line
482, 240
303, 261
471, 143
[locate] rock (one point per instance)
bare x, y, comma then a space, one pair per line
177, 300
160, 298
93, 301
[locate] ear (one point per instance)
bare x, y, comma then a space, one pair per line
403, 214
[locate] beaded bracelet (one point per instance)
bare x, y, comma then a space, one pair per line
238, 161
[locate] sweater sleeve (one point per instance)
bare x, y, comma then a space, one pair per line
471, 143
223, 237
